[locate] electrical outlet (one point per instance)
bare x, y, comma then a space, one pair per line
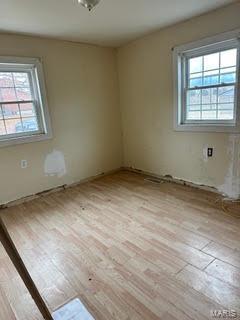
24, 164
210, 152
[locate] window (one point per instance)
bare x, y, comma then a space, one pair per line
23, 106
206, 84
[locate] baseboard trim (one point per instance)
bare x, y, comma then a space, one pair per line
57, 189
172, 180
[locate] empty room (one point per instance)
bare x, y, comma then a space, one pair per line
119, 159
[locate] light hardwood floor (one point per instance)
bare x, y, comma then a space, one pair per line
128, 248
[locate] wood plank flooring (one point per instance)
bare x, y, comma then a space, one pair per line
128, 249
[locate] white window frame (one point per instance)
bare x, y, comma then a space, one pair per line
180, 55
33, 66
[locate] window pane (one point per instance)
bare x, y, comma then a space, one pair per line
228, 58
2, 128
6, 79
209, 107
194, 107
10, 111
211, 61
23, 94
209, 96
214, 95
225, 106
225, 115
194, 97
27, 109
226, 94
194, 115
215, 104
228, 75
7, 94
213, 69
18, 127
209, 115
22, 104
13, 126
195, 64
211, 77
30, 124
21, 79
206, 96
15, 117
14, 86
226, 111
196, 80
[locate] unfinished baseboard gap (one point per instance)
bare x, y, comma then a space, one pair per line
152, 177
154, 180
168, 178
56, 189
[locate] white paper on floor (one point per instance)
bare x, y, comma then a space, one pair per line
74, 310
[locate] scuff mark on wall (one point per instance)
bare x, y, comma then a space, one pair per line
54, 164
231, 186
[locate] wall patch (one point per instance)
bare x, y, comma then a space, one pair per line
54, 164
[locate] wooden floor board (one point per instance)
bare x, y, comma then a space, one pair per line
224, 253
225, 272
129, 249
218, 290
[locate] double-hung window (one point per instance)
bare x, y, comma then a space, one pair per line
24, 113
206, 75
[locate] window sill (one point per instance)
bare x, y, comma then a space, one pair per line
207, 128
25, 139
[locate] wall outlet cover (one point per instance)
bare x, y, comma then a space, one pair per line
24, 164
210, 152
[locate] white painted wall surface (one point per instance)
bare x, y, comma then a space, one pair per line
83, 94
146, 93
82, 90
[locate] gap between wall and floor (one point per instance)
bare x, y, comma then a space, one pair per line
145, 174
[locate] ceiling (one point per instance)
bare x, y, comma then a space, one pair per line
111, 23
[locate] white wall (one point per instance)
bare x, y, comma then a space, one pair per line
83, 93
82, 89
146, 94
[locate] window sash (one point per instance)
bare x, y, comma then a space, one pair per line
33, 81
230, 84
187, 72
23, 133
226, 121
210, 48
35, 69
185, 83
217, 43
214, 121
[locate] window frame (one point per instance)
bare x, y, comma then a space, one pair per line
33, 67
181, 54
